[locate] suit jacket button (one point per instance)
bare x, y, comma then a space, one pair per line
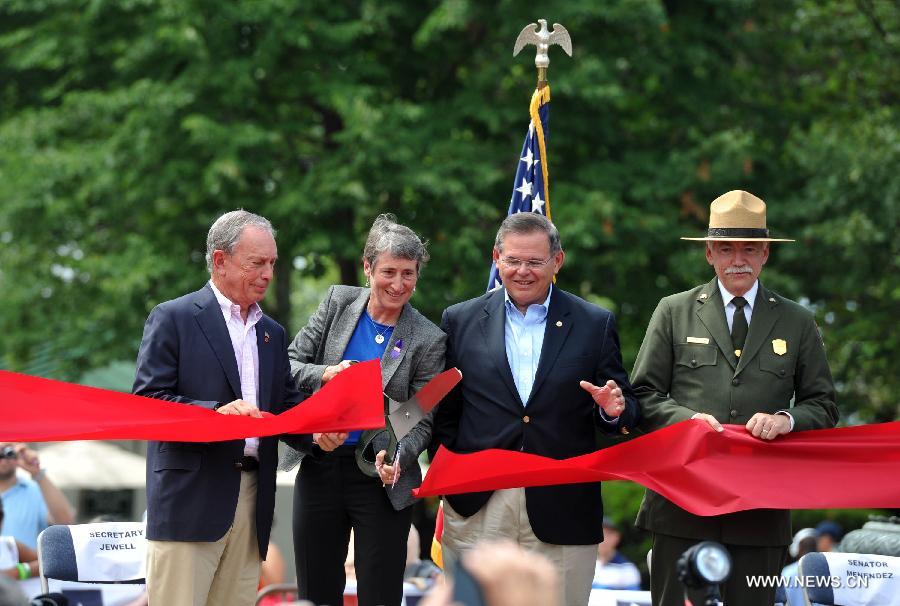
733, 414
693, 362
735, 382
781, 372
526, 419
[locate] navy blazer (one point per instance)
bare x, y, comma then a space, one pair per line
186, 356
558, 421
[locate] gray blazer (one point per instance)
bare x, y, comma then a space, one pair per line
322, 343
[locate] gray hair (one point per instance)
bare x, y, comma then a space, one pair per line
528, 223
388, 236
227, 229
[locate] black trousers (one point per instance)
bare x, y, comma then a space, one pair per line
332, 496
667, 590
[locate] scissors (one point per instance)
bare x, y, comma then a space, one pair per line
401, 417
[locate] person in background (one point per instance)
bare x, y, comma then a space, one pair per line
272, 569
804, 542
272, 573
31, 504
419, 572
828, 535
17, 560
339, 488
613, 570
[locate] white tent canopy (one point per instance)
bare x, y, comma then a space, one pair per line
93, 465
104, 466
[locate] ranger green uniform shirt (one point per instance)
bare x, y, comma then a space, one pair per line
687, 365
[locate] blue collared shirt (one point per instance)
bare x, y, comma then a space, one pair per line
26, 511
524, 341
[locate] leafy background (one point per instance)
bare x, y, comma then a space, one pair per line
127, 126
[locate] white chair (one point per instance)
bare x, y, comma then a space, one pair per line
850, 579
102, 553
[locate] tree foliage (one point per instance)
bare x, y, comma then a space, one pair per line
127, 126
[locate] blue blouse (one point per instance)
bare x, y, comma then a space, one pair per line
363, 347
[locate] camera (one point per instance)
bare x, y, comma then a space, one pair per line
8, 452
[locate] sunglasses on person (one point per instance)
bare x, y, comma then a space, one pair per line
8, 452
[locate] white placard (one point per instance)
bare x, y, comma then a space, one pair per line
861, 579
9, 552
617, 597
110, 551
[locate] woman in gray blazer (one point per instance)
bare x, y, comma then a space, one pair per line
338, 486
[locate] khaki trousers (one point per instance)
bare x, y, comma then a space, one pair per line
220, 573
504, 517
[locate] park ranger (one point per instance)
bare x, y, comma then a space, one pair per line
730, 351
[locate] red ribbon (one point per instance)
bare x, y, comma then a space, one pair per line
705, 472
42, 410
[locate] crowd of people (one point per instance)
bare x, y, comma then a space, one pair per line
542, 373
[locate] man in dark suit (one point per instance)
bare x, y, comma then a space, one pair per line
210, 505
730, 351
541, 371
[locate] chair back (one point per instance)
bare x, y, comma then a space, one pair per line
850, 579
107, 552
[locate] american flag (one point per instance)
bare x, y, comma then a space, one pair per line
531, 187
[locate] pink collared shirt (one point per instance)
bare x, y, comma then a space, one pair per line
246, 354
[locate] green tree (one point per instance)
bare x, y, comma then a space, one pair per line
127, 127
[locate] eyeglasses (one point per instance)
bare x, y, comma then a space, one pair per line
513, 263
8, 452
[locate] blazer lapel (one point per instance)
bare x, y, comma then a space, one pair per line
493, 327
555, 334
390, 360
209, 317
266, 361
761, 322
343, 326
711, 312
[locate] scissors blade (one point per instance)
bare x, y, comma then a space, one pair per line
403, 416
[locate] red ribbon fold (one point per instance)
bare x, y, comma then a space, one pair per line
43, 410
705, 472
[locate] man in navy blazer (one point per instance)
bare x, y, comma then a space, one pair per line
210, 505
541, 372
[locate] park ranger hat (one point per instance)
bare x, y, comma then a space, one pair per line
738, 215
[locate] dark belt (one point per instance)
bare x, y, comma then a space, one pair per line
247, 464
